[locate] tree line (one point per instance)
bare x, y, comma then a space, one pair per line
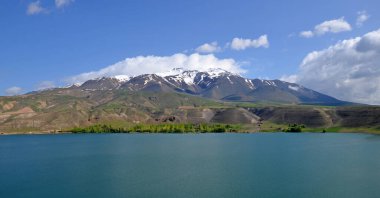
159, 128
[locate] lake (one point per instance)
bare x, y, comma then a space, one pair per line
190, 165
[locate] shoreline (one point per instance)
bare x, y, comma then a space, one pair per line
66, 132
34, 133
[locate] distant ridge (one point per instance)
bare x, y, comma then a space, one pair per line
216, 84
180, 96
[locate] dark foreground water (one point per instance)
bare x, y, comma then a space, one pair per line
190, 165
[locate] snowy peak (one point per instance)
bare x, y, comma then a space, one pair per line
214, 72
214, 84
191, 77
122, 78
175, 75
185, 76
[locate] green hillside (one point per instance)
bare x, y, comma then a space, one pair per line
61, 110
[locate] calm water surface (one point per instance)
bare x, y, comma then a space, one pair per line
190, 165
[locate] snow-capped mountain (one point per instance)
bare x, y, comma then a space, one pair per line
122, 78
216, 84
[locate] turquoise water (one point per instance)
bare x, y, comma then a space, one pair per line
190, 165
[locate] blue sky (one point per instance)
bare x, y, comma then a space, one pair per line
60, 39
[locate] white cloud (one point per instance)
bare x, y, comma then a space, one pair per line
35, 8
362, 17
45, 85
208, 48
62, 3
242, 44
306, 34
332, 26
158, 64
289, 78
13, 91
348, 70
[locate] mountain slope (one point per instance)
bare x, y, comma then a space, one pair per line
216, 84
178, 96
62, 109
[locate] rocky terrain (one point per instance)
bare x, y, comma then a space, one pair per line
179, 96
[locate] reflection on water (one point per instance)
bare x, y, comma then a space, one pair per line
190, 165
374, 137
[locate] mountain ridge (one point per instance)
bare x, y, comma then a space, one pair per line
182, 97
216, 84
